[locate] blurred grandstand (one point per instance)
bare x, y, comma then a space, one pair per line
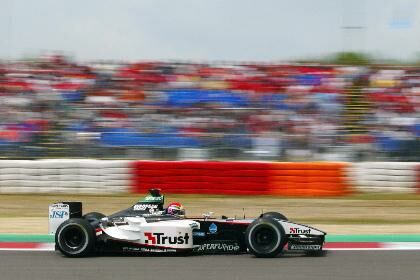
53, 107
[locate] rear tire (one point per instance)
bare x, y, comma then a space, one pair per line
75, 238
265, 237
275, 215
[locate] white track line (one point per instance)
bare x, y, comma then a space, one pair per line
27, 249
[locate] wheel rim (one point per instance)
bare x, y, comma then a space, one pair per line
74, 238
265, 238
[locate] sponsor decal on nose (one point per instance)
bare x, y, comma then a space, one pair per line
296, 230
159, 238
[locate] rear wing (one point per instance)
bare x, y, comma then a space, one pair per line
62, 211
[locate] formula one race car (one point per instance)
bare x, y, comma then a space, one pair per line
147, 227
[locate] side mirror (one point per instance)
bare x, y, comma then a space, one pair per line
207, 215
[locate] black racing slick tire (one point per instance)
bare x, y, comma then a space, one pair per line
265, 237
275, 215
75, 238
93, 216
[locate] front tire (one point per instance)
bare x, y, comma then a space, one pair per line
265, 237
275, 215
75, 238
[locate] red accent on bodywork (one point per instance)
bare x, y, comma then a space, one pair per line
150, 237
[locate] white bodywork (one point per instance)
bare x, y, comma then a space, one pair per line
57, 214
175, 234
298, 229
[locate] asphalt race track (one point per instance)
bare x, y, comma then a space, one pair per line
335, 265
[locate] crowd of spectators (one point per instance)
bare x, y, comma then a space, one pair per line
52, 106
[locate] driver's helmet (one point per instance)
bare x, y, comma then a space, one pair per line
176, 209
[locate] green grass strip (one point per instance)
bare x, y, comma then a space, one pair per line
26, 238
373, 238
